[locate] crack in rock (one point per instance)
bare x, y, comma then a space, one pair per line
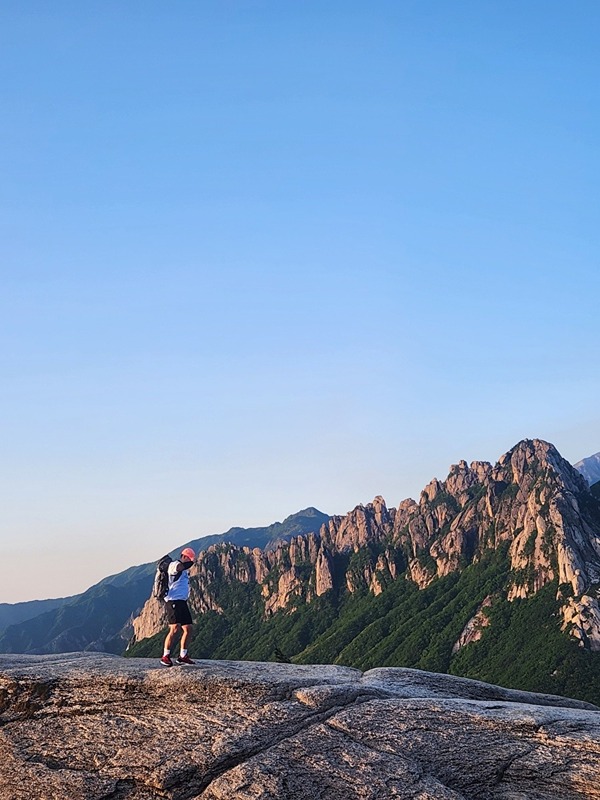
198, 785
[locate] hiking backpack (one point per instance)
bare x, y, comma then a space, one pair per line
161, 578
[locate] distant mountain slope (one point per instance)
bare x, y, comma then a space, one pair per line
99, 618
494, 573
590, 468
309, 520
15, 613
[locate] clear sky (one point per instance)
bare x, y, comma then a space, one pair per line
259, 255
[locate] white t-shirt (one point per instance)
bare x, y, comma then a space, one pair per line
179, 587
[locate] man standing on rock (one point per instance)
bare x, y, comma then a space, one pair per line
178, 612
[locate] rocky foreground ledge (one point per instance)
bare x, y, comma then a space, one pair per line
92, 727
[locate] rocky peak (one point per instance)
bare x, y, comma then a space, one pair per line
460, 478
481, 469
364, 524
534, 501
433, 489
532, 456
383, 515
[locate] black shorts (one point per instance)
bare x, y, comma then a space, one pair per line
178, 612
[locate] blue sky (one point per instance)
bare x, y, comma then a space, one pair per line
257, 256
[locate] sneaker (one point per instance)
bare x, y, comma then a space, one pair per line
185, 660
166, 661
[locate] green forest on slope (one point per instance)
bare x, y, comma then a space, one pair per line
522, 648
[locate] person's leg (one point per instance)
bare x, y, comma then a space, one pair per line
187, 629
169, 639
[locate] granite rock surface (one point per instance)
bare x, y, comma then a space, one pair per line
88, 726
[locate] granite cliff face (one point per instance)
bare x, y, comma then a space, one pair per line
95, 726
532, 503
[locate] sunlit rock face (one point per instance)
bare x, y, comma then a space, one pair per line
93, 726
473, 630
532, 502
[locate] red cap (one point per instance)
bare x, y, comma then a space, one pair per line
189, 554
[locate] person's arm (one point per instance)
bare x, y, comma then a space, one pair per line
181, 565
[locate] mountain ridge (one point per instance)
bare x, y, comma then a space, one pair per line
14, 613
99, 618
528, 500
527, 528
